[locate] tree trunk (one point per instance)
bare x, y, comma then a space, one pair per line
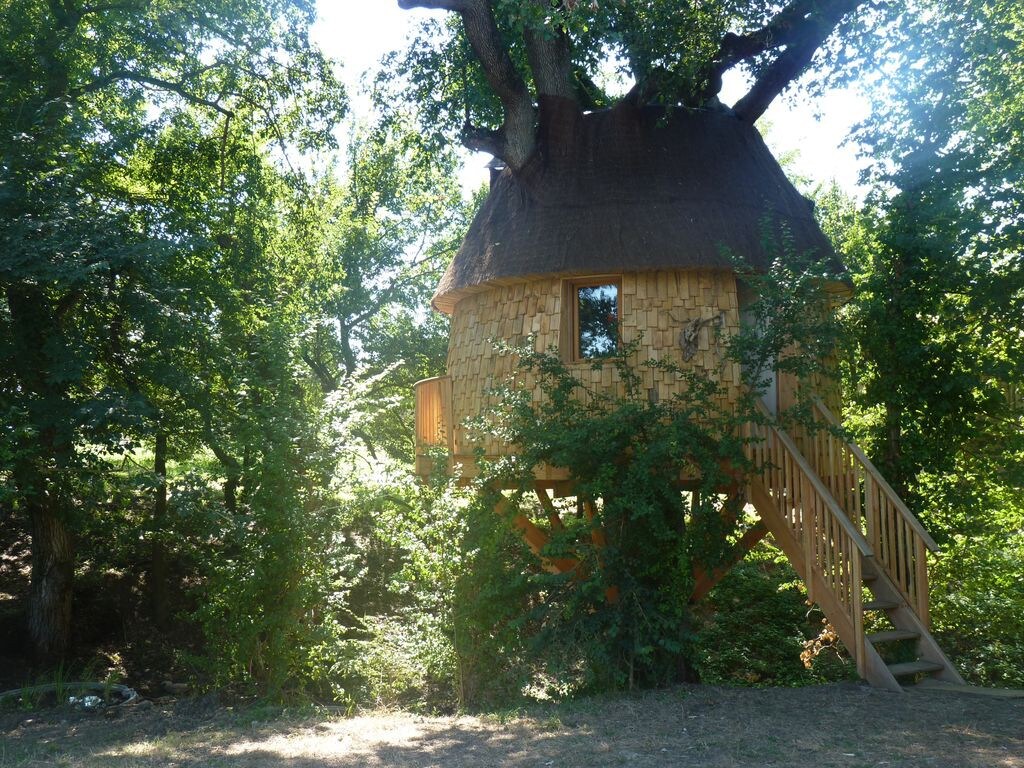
348, 355
158, 564
893, 462
35, 323
53, 565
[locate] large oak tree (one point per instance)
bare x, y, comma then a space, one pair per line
510, 65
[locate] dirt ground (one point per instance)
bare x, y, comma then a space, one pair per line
834, 725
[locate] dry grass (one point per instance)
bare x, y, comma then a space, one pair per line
837, 725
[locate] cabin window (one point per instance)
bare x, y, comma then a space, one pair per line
593, 326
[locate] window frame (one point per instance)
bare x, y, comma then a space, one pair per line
569, 342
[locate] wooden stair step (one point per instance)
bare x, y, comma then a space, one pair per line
869, 577
914, 667
892, 635
880, 605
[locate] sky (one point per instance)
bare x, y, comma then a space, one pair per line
359, 32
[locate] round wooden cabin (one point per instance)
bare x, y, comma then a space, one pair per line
639, 226
634, 226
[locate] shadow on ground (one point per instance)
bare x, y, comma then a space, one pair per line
837, 725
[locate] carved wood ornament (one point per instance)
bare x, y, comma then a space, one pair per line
689, 335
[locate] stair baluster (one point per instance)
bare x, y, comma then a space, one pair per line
894, 533
815, 533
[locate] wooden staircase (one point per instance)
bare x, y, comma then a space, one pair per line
847, 533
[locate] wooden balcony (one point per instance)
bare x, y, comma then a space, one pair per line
433, 421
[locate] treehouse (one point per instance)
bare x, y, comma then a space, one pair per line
631, 230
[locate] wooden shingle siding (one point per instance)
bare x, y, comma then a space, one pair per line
655, 304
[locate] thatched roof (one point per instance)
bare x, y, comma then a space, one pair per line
635, 189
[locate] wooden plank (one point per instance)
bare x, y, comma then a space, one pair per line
779, 528
902, 564
857, 614
828, 544
545, 501
892, 636
445, 386
877, 673
858, 499
597, 535
904, 617
922, 584
807, 541
799, 460
869, 506
536, 539
914, 668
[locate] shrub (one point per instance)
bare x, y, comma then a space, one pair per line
756, 626
622, 618
978, 606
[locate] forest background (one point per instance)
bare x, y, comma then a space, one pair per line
212, 319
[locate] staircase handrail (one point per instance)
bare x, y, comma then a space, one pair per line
847, 525
880, 481
815, 531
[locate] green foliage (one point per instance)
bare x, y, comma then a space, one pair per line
977, 605
271, 607
418, 556
167, 274
387, 234
661, 43
935, 329
494, 599
937, 320
757, 627
133, 172
622, 621
789, 325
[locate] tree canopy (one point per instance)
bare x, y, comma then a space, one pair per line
508, 65
132, 173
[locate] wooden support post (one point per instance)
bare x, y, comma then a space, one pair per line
860, 654
596, 534
705, 582
921, 577
809, 535
545, 501
535, 538
597, 537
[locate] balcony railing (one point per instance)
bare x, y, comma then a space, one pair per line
433, 420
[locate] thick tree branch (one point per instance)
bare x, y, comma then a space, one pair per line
154, 82
646, 88
548, 54
230, 463
514, 141
232, 467
588, 93
736, 48
327, 380
803, 26
482, 139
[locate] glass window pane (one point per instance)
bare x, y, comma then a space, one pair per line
598, 319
